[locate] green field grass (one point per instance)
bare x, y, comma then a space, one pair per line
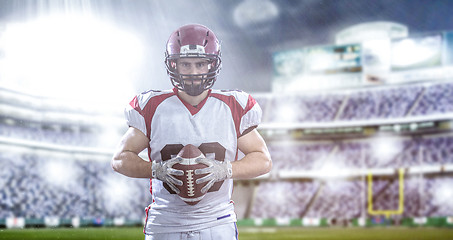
376, 233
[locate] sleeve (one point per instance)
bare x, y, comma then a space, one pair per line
251, 116
134, 115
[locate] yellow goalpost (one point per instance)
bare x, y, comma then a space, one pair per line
387, 213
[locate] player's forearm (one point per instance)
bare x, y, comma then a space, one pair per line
131, 165
252, 165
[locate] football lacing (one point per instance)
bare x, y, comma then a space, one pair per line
190, 185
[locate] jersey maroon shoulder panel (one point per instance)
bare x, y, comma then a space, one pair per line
150, 108
135, 105
250, 103
236, 109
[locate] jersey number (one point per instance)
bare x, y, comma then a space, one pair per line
171, 150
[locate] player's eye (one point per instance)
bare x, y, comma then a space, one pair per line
184, 65
201, 64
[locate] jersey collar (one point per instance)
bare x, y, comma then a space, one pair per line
192, 109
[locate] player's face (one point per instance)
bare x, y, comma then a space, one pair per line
193, 66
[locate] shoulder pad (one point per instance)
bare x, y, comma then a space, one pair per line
151, 91
235, 90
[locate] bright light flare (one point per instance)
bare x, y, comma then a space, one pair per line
443, 193
288, 112
338, 186
319, 61
60, 173
333, 168
252, 12
410, 51
70, 56
117, 191
386, 148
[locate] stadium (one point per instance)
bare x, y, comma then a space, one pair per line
359, 128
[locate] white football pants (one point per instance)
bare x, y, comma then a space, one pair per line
227, 231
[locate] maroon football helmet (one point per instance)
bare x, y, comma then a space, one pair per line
193, 41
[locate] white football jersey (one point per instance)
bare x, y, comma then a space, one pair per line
214, 127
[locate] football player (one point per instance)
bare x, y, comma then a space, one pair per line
218, 122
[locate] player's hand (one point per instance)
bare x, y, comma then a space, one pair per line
216, 170
165, 172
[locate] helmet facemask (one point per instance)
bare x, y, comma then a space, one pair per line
193, 41
189, 82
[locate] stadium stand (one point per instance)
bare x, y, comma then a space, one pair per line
87, 188
377, 103
92, 190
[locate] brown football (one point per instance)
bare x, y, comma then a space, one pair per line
190, 192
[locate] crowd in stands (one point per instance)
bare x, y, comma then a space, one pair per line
300, 108
429, 150
360, 105
348, 198
380, 104
298, 156
338, 199
435, 99
287, 199
33, 131
85, 188
94, 190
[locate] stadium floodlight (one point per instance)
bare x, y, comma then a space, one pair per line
387, 212
69, 56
